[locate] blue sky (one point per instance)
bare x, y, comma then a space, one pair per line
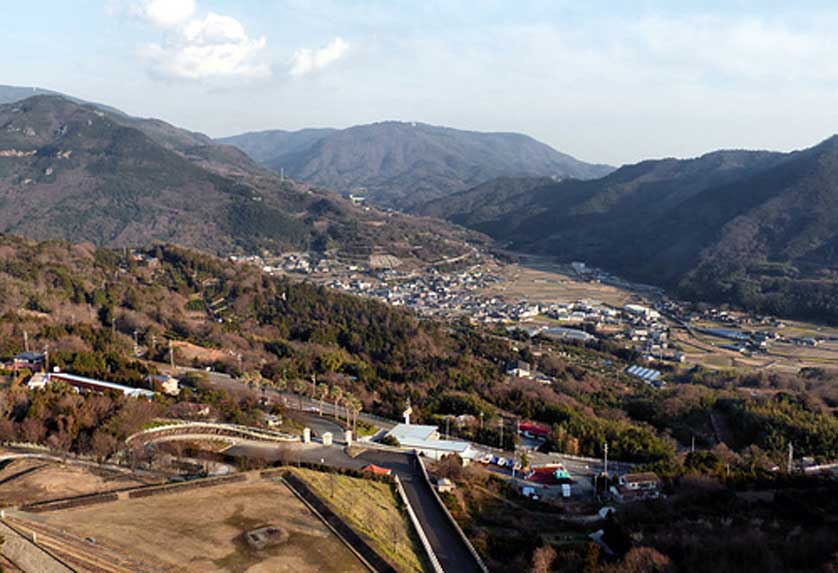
605, 81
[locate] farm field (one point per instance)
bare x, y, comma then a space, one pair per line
204, 530
783, 357
543, 282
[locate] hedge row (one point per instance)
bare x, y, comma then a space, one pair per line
176, 487
70, 502
281, 471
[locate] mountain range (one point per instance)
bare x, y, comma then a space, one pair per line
757, 228
75, 171
401, 165
753, 227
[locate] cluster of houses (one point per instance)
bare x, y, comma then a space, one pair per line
436, 293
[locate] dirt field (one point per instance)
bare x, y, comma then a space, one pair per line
188, 352
543, 283
30, 480
203, 530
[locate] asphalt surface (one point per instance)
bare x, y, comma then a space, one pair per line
319, 425
453, 554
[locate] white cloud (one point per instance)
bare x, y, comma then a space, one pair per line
211, 48
167, 13
306, 60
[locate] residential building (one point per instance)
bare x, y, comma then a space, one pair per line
169, 384
636, 486
519, 369
426, 440
32, 360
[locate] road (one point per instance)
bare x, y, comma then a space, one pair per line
453, 554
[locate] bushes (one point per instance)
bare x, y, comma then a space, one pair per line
390, 441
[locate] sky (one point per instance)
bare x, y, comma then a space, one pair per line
611, 82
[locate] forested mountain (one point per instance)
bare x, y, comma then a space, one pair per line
263, 146
74, 171
402, 164
755, 228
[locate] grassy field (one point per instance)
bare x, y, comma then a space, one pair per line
203, 530
371, 509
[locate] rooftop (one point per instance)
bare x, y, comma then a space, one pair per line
407, 433
640, 477
30, 356
127, 390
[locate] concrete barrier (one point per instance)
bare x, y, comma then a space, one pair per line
453, 521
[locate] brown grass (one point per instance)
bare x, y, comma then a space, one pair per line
202, 530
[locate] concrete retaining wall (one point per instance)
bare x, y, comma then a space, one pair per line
348, 535
429, 551
453, 521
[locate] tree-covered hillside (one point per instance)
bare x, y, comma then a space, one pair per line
400, 164
73, 171
758, 229
89, 304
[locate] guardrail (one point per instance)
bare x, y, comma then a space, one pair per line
437, 567
453, 521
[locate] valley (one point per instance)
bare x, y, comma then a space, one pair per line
182, 320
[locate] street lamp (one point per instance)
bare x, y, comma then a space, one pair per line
605, 458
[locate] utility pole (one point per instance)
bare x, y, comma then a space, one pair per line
26, 341
605, 458
500, 423
171, 354
514, 461
791, 457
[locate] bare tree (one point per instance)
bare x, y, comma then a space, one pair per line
542, 559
